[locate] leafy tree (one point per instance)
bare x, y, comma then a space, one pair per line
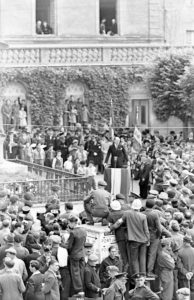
168, 99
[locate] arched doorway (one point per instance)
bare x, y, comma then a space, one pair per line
73, 97
12, 100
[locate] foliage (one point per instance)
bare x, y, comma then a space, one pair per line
46, 87
165, 88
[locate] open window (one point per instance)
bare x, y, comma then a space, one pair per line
108, 17
45, 17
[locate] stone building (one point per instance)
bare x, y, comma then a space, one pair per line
145, 28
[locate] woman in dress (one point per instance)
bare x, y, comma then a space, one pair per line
35, 283
22, 117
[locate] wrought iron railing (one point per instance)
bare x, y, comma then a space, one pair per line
43, 172
71, 189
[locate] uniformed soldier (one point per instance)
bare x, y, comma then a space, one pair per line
141, 291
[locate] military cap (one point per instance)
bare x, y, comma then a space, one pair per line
183, 291
88, 245
11, 250
25, 209
187, 239
120, 197
153, 192
120, 275
163, 196
115, 205
138, 275
93, 257
102, 183
173, 182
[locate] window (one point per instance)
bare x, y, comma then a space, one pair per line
190, 37
143, 114
108, 17
45, 17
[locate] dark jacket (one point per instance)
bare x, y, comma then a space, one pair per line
108, 261
118, 156
92, 282
144, 173
121, 232
154, 225
34, 288
76, 243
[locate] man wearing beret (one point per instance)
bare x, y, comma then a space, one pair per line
96, 204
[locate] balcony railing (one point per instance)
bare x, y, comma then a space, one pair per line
85, 54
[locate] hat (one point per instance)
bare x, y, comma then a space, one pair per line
112, 269
115, 205
120, 196
35, 246
165, 242
73, 219
187, 239
9, 262
175, 225
186, 191
14, 199
11, 250
56, 239
102, 183
3, 194
6, 222
93, 257
183, 291
153, 192
171, 194
88, 245
69, 206
18, 238
163, 196
25, 209
173, 182
3, 205
28, 196
120, 275
9, 238
136, 204
138, 275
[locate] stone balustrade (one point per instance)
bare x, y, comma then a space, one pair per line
84, 55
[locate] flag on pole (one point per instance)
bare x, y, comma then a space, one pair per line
111, 120
137, 139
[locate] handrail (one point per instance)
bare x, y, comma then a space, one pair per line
47, 170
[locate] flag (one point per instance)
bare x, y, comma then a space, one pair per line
137, 136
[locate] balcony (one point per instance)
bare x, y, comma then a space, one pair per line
74, 54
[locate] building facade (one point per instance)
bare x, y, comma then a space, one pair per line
145, 29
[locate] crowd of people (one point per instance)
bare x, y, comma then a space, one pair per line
48, 256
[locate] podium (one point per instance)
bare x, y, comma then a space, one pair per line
118, 181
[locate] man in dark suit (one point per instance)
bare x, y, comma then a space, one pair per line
91, 278
118, 154
76, 244
144, 176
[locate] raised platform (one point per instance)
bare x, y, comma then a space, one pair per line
101, 239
